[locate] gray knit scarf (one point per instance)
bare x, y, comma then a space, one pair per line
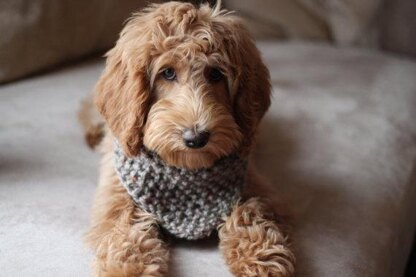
187, 203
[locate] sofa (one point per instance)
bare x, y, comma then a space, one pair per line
338, 143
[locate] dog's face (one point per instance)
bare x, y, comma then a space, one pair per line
186, 82
190, 121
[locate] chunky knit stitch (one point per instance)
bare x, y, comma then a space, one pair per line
187, 203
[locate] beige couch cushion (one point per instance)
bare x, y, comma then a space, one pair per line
280, 19
38, 34
346, 22
389, 24
398, 23
338, 142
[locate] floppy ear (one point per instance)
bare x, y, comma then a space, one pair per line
253, 89
253, 94
122, 94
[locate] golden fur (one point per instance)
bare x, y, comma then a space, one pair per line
140, 107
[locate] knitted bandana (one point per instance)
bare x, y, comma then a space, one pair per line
187, 203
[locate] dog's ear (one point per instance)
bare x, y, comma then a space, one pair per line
252, 79
253, 94
122, 94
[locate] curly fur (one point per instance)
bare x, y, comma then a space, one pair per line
140, 107
253, 244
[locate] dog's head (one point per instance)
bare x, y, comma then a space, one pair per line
187, 82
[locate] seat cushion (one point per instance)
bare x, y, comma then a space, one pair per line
338, 143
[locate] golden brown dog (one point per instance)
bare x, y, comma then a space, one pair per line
188, 83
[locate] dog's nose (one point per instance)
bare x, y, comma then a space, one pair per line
195, 139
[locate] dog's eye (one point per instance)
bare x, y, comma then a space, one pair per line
215, 75
169, 74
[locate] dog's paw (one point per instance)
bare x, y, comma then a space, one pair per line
254, 245
130, 255
258, 252
127, 269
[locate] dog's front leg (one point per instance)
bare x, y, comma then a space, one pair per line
125, 239
253, 244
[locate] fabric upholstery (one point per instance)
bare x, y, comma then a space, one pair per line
389, 24
280, 19
398, 26
343, 22
338, 143
38, 34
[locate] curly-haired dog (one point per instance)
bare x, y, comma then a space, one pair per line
188, 84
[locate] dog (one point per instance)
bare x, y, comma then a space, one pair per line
187, 83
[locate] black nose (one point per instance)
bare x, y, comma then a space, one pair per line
195, 139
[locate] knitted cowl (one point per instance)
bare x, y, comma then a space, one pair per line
187, 203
